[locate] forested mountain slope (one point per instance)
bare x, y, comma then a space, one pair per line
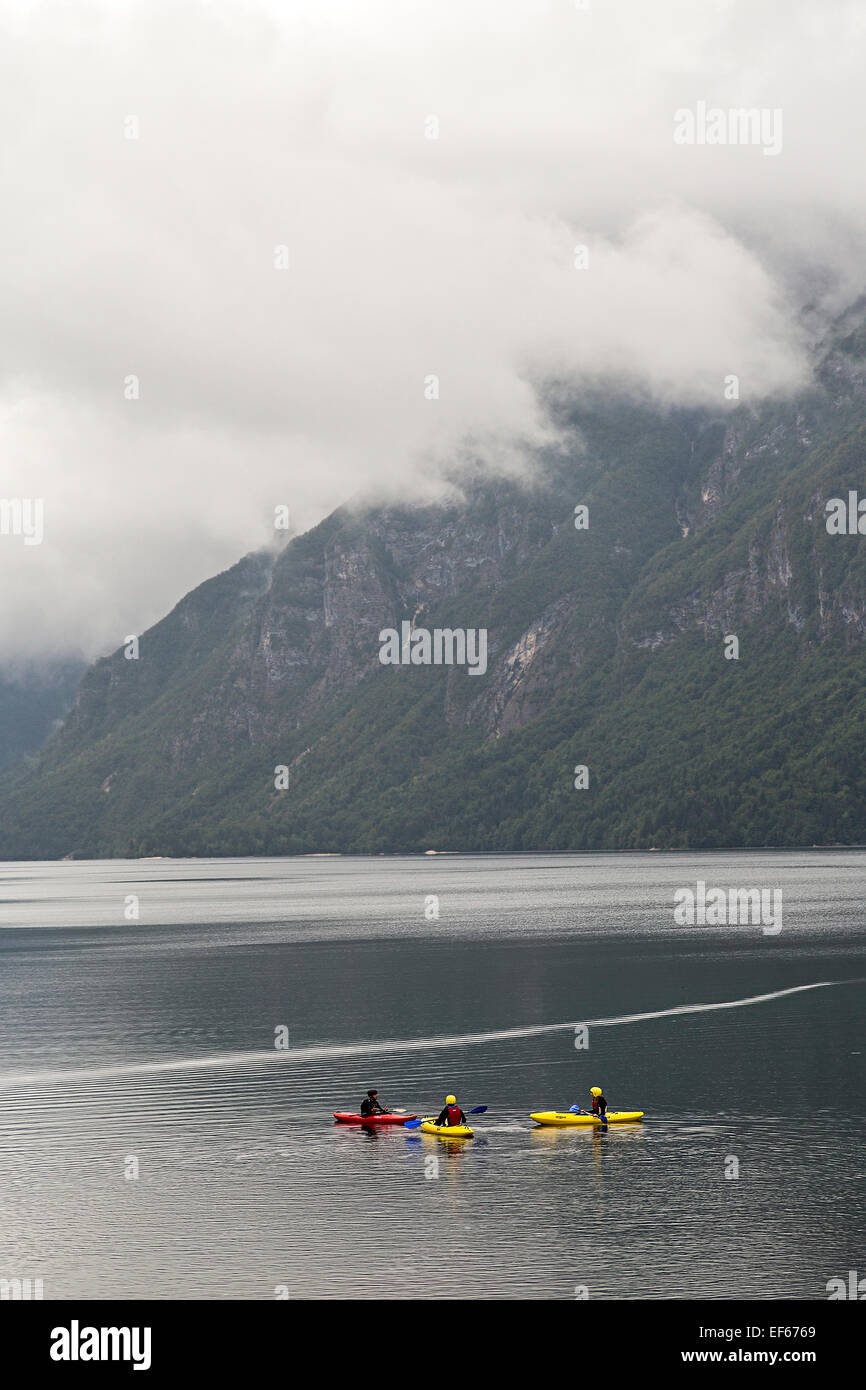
606, 648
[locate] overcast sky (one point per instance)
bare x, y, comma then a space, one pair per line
307, 125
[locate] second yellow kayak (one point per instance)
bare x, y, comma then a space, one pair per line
447, 1131
562, 1120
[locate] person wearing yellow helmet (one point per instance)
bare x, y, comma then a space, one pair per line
599, 1104
451, 1114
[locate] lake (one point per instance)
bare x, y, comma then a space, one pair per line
156, 1142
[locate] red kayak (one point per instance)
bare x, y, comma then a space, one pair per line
371, 1119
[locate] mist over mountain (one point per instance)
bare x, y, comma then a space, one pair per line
34, 697
613, 710
230, 274
539, 325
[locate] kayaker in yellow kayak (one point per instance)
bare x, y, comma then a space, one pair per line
371, 1105
452, 1114
599, 1104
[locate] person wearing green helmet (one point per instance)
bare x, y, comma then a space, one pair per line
451, 1114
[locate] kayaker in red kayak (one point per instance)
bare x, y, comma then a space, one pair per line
452, 1114
371, 1105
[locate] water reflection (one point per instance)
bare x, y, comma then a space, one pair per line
146, 1044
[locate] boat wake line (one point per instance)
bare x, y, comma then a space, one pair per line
325, 1051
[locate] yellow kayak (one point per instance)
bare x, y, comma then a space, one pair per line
554, 1117
447, 1131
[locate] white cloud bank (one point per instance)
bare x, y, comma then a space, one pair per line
306, 125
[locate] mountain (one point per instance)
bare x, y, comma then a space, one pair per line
34, 697
606, 649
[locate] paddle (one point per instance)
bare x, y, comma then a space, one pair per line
579, 1110
415, 1124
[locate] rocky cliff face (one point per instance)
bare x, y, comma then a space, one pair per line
700, 526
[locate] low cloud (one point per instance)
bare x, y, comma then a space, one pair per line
307, 126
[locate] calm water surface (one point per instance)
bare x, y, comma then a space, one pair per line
152, 1039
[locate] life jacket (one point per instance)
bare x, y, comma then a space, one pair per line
455, 1116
